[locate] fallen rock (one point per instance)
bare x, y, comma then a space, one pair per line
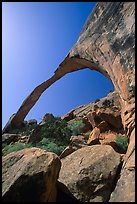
35, 135
109, 139
7, 138
68, 150
90, 172
94, 136
77, 141
30, 175
115, 140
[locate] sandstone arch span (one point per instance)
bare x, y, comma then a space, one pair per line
106, 44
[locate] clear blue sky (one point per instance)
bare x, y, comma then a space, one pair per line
36, 37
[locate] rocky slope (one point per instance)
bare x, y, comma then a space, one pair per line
106, 44
94, 145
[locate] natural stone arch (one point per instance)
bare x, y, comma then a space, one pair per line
100, 49
106, 44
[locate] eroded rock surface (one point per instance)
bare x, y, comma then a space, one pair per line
30, 175
89, 173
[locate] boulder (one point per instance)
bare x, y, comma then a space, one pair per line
94, 136
30, 175
68, 150
7, 138
90, 172
108, 138
35, 135
112, 139
24, 139
77, 141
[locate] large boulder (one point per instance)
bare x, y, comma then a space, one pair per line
90, 172
30, 175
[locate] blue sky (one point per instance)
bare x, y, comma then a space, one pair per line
36, 37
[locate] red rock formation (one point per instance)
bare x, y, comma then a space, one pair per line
30, 175
106, 44
89, 172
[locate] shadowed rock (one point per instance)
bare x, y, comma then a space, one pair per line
30, 175
89, 172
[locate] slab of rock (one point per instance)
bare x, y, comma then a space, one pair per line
30, 175
90, 172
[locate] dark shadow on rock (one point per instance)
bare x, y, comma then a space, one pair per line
63, 194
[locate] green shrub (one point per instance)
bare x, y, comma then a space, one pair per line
50, 144
122, 143
75, 126
26, 130
6, 149
55, 136
53, 147
44, 141
56, 129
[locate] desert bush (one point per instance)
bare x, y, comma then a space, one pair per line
26, 130
6, 149
75, 125
122, 143
56, 129
55, 136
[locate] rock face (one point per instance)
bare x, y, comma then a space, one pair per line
106, 44
89, 172
30, 175
8, 138
105, 113
127, 179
